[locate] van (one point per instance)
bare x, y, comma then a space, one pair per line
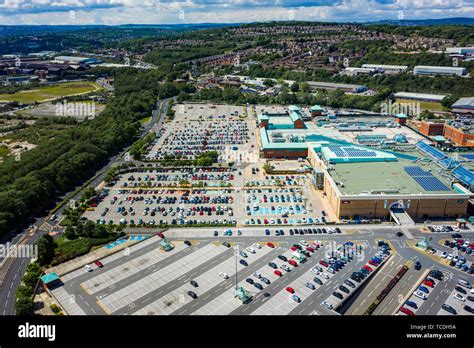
465, 283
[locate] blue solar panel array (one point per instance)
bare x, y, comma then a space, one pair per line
425, 179
416, 171
351, 152
429, 150
430, 183
464, 174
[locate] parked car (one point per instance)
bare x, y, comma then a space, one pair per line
192, 294
449, 309
406, 311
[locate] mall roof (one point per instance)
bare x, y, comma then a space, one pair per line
267, 145
294, 116
383, 178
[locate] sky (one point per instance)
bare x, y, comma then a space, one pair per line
113, 12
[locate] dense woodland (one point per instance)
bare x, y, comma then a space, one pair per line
61, 162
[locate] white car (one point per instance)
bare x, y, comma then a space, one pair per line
315, 271
251, 250
459, 297
455, 258
88, 268
444, 255
450, 257
224, 275
257, 275
324, 275
256, 245
327, 305
420, 294
285, 267
303, 242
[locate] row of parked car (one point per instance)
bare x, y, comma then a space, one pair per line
463, 292
441, 228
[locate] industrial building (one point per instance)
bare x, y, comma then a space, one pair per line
80, 61
464, 106
388, 69
420, 96
439, 70
335, 86
353, 71
460, 50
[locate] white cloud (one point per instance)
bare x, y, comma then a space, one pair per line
222, 11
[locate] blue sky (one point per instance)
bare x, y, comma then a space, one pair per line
223, 11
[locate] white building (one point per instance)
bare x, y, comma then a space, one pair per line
459, 50
419, 96
388, 69
439, 70
352, 71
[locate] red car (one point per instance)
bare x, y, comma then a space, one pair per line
428, 283
99, 264
271, 245
293, 263
311, 250
367, 268
406, 311
323, 263
294, 248
161, 235
290, 290
373, 263
278, 273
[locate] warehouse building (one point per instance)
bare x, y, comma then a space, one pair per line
439, 70
460, 50
79, 61
388, 69
335, 86
464, 106
420, 96
353, 71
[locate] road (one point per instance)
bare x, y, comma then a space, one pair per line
12, 275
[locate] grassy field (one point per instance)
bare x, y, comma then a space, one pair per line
42, 94
432, 106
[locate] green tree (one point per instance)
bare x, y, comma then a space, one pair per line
24, 306
295, 87
46, 247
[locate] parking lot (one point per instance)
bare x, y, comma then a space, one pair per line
197, 128
199, 278
206, 196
